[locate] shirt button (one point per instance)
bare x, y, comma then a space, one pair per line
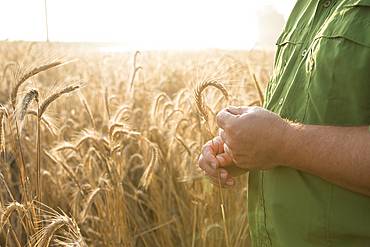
327, 3
304, 53
281, 101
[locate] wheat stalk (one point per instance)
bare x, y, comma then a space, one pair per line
6, 68
5, 113
258, 88
48, 121
2, 146
88, 204
197, 95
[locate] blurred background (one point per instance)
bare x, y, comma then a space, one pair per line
147, 24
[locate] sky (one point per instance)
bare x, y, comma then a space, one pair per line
193, 23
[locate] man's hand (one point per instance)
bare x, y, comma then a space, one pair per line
209, 163
258, 139
252, 136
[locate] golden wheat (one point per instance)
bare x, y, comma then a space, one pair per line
130, 179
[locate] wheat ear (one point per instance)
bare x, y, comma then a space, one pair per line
31, 94
8, 211
199, 99
136, 69
87, 108
46, 234
55, 96
106, 101
14, 90
147, 176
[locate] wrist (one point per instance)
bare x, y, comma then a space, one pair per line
287, 146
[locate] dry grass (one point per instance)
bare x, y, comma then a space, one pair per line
119, 154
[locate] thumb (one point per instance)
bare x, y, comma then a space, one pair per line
223, 117
238, 110
228, 114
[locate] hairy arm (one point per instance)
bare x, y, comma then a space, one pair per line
340, 155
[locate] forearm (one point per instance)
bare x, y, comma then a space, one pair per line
340, 155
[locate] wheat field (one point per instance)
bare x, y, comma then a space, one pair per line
101, 149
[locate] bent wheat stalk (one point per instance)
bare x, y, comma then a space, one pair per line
147, 176
14, 90
41, 108
8, 211
197, 95
55, 96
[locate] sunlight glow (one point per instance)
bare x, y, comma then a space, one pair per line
145, 23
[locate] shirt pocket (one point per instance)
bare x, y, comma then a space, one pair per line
288, 44
339, 62
351, 21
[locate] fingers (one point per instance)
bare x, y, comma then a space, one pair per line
224, 159
207, 167
209, 163
228, 151
225, 183
210, 149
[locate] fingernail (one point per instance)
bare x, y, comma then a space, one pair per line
213, 166
223, 175
230, 183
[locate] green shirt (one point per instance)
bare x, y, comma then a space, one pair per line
321, 76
